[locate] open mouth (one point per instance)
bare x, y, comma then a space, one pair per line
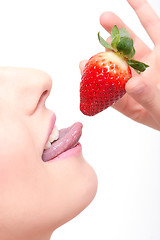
62, 141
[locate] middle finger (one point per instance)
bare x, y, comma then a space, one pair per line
109, 19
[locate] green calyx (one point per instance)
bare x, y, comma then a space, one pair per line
123, 44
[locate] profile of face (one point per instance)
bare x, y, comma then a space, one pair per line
36, 196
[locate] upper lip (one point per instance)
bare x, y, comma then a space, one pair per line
51, 126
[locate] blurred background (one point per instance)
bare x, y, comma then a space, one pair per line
55, 36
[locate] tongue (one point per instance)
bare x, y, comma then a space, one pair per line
68, 138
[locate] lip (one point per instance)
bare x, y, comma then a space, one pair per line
51, 126
73, 152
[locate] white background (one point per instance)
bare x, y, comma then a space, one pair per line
54, 36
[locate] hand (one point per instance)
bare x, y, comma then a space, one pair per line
142, 99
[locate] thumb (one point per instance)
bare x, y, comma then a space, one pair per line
146, 93
82, 65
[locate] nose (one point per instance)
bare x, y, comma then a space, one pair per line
25, 86
39, 81
38, 86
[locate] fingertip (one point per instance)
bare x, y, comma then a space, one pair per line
106, 20
146, 93
105, 16
109, 19
82, 65
135, 86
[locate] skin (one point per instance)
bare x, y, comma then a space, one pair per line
141, 102
35, 197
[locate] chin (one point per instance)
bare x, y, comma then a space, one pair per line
70, 188
82, 192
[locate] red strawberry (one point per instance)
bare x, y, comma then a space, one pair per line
106, 73
103, 82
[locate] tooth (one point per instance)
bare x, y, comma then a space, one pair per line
54, 135
48, 144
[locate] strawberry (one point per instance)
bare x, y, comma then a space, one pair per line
106, 73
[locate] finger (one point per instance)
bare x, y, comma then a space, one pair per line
148, 18
146, 94
132, 109
109, 19
82, 65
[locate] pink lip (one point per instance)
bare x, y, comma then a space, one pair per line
51, 126
77, 150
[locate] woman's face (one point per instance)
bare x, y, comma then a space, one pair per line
36, 197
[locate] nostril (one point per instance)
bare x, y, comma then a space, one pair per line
44, 93
43, 98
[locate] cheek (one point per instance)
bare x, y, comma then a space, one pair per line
20, 174
17, 152
14, 164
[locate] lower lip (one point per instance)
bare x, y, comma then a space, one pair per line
73, 152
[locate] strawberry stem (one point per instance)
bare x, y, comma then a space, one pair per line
103, 42
122, 43
138, 66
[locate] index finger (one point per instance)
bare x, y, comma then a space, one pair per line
148, 18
